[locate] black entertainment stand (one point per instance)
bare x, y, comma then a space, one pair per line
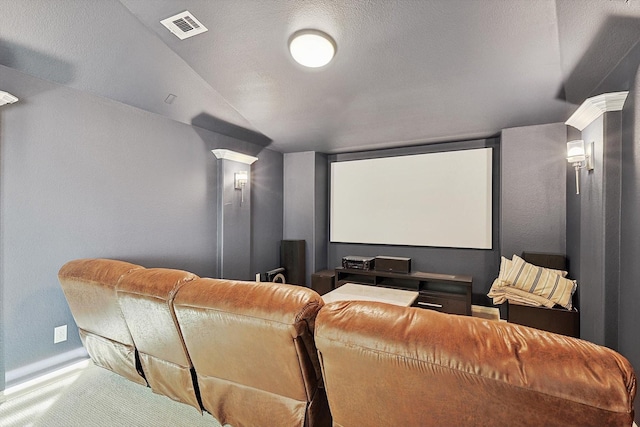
442, 292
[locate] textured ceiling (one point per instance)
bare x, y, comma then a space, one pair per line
406, 71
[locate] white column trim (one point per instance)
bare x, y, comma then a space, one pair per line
223, 153
594, 107
7, 98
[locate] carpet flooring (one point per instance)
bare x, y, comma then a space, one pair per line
96, 397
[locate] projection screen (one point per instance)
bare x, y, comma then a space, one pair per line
436, 199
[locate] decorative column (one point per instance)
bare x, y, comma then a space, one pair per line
594, 247
234, 214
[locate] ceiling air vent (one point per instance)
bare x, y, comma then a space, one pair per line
184, 25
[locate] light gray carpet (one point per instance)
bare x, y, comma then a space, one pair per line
96, 397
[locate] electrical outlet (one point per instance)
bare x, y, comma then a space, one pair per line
60, 334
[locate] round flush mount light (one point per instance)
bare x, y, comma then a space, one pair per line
312, 48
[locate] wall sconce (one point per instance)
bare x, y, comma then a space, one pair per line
580, 157
240, 180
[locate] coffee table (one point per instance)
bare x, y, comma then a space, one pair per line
358, 292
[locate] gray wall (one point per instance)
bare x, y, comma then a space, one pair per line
321, 206
629, 315
305, 206
299, 201
481, 264
267, 204
82, 176
592, 239
612, 167
532, 194
594, 218
234, 222
573, 202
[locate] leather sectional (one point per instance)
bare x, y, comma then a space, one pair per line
270, 354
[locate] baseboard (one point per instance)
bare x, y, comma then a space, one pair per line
42, 380
44, 366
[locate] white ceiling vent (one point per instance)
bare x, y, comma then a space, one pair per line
184, 25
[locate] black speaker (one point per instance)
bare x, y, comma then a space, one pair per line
395, 264
293, 259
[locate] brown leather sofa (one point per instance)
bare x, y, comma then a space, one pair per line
249, 345
389, 365
252, 349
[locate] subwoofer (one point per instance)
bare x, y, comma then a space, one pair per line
323, 281
293, 259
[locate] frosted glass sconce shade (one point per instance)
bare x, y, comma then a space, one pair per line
580, 157
240, 179
575, 151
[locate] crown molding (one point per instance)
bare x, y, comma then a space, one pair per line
225, 154
7, 98
594, 107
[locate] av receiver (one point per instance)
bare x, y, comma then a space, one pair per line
358, 262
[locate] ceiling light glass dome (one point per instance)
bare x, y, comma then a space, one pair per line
312, 48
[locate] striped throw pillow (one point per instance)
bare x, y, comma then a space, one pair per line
540, 281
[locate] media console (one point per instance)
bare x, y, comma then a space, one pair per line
442, 292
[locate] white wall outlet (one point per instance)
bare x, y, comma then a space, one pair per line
257, 277
60, 334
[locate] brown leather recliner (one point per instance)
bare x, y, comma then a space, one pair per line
253, 351
90, 288
146, 298
400, 366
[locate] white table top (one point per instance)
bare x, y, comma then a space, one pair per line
357, 292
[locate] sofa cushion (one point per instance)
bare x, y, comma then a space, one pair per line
146, 298
253, 342
89, 286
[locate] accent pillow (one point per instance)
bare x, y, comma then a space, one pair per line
497, 287
540, 281
505, 267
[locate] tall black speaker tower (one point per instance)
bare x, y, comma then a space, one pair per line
293, 259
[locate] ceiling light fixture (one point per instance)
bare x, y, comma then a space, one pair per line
312, 48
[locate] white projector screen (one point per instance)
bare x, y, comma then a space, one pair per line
435, 199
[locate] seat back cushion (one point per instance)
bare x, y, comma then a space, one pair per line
89, 286
389, 365
146, 298
252, 342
